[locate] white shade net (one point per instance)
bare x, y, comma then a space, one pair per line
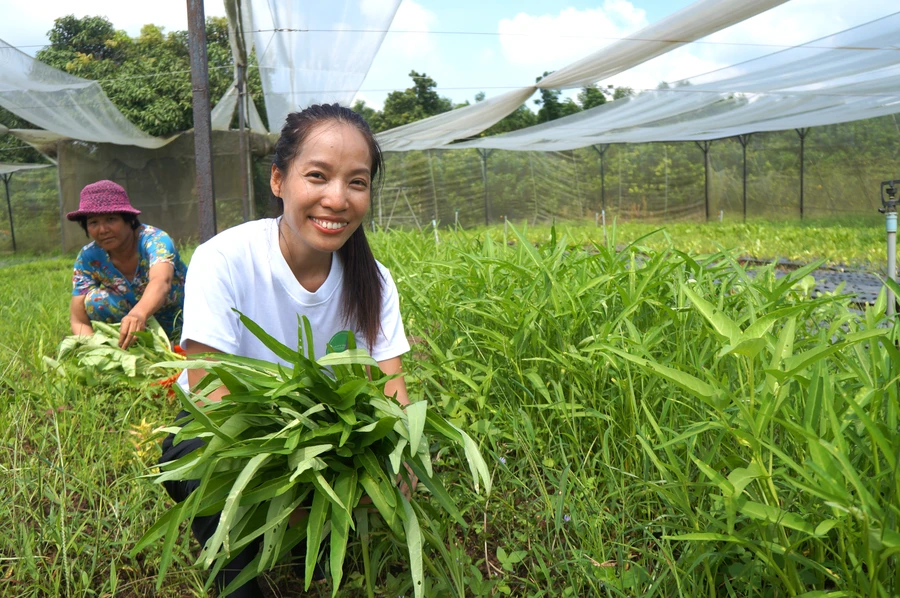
13, 168
315, 52
694, 22
852, 75
65, 105
698, 20
223, 113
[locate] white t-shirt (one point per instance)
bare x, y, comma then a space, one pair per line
243, 268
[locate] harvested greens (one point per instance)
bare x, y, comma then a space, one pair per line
98, 357
320, 435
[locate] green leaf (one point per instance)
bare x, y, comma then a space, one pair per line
690, 383
220, 537
348, 357
324, 487
317, 516
414, 545
274, 345
303, 458
396, 455
434, 485
416, 415
773, 514
721, 323
345, 487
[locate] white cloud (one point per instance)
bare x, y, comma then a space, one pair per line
552, 41
402, 52
411, 16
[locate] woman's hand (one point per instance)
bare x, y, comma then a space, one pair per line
153, 299
135, 321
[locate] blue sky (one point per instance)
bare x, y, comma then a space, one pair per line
549, 35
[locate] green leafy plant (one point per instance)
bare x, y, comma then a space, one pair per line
312, 440
90, 359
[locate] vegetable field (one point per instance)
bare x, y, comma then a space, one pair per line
656, 422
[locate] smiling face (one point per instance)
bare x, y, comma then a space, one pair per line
326, 191
110, 232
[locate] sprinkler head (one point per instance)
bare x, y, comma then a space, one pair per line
889, 196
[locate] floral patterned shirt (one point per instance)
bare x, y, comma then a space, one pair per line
94, 271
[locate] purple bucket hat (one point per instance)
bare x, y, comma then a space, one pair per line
102, 197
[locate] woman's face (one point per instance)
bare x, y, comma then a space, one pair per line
110, 231
326, 190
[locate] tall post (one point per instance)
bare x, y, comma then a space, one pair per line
12, 228
602, 153
484, 153
704, 147
202, 127
242, 128
433, 187
888, 207
744, 139
802, 133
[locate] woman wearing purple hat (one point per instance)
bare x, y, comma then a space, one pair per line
129, 272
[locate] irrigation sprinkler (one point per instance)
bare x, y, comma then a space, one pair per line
434, 226
889, 209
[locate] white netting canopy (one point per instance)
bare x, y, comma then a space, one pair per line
694, 22
13, 168
66, 105
848, 76
315, 52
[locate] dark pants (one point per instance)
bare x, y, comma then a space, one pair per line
205, 527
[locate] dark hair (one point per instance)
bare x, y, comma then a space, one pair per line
130, 219
362, 284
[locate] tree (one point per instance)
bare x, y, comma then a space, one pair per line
90, 36
412, 104
522, 117
551, 106
372, 116
590, 97
147, 78
622, 92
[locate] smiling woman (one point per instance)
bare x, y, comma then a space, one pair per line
313, 261
128, 273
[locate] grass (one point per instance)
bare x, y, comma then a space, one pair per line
658, 424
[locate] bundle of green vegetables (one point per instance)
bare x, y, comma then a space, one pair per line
314, 438
90, 359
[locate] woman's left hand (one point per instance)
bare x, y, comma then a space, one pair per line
133, 322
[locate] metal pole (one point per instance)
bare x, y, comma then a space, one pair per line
602, 152
433, 186
744, 139
487, 206
666, 161
704, 147
202, 127
245, 191
802, 133
12, 228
